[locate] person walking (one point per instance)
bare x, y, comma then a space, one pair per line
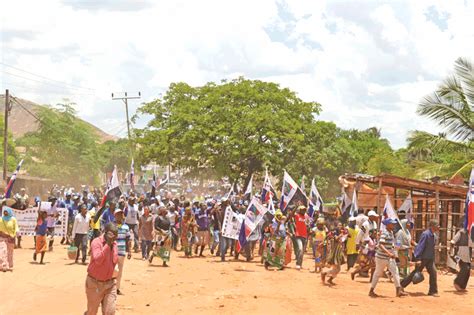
403, 238
301, 235
124, 244
101, 285
463, 254
41, 231
131, 219
146, 232
8, 232
385, 257
351, 246
425, 252
337, 237
80, 231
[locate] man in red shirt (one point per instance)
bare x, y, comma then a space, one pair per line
301, 235
101, 287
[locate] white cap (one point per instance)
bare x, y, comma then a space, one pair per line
372, 213
352, 219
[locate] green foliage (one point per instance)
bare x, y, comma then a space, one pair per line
116, 153
64, 148
238, 128
234, 129
451, 106
12, 158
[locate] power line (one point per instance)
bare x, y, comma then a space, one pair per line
25, 109
46, 78
39, 89
41, 82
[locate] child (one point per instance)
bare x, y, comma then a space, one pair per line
41, 230
366, 260
319, 243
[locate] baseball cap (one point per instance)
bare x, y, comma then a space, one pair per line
372, 213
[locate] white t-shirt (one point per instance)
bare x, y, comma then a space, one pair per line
52, 213
131, 217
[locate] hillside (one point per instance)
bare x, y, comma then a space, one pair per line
20, 122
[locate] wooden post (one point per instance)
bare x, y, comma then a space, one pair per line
379, 195
5, 135
395, 199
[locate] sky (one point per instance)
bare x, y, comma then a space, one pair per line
368, 63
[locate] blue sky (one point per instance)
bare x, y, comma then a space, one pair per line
367, 62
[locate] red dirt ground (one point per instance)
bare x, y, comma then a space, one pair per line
205, 285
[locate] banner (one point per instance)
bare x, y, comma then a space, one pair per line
27, 220
252, 218
231, 224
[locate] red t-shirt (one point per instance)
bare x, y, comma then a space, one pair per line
300, 223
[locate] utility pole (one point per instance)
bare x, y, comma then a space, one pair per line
125, 99
5, 134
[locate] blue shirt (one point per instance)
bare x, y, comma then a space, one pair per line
107, 217
426, 246
42, 228
281, 230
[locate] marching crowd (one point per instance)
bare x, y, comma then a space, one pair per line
155, 227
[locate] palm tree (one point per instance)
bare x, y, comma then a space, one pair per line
451, 106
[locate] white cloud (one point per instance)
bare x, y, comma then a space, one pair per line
366, 63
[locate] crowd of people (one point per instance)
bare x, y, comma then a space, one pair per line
157, 226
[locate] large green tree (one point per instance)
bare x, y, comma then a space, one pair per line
64, 148
451, 106
234, 128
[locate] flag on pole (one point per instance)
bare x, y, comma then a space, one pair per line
253, 216
389, 213
271, 208
153, 185
291, 193
302, 186
407, 207
268, 192
288, 190
132, 175
112, 193
354, 207
11, 182
469, 209
315, 200
234, 191
248, 191
346, 203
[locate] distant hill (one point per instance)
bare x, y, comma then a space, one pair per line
20, 122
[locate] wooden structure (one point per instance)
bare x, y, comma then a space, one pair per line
431, 200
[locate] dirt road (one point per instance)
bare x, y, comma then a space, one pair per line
205, 285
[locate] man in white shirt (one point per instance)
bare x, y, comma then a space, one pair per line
53, 215
367, 226
80, 230
131, 219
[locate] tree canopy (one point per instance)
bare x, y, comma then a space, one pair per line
240, 127
64, 148
451, 106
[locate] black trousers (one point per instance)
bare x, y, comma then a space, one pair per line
351, 260
463, 275
431, 268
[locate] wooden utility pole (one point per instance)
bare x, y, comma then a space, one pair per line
5, 134
125, 100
